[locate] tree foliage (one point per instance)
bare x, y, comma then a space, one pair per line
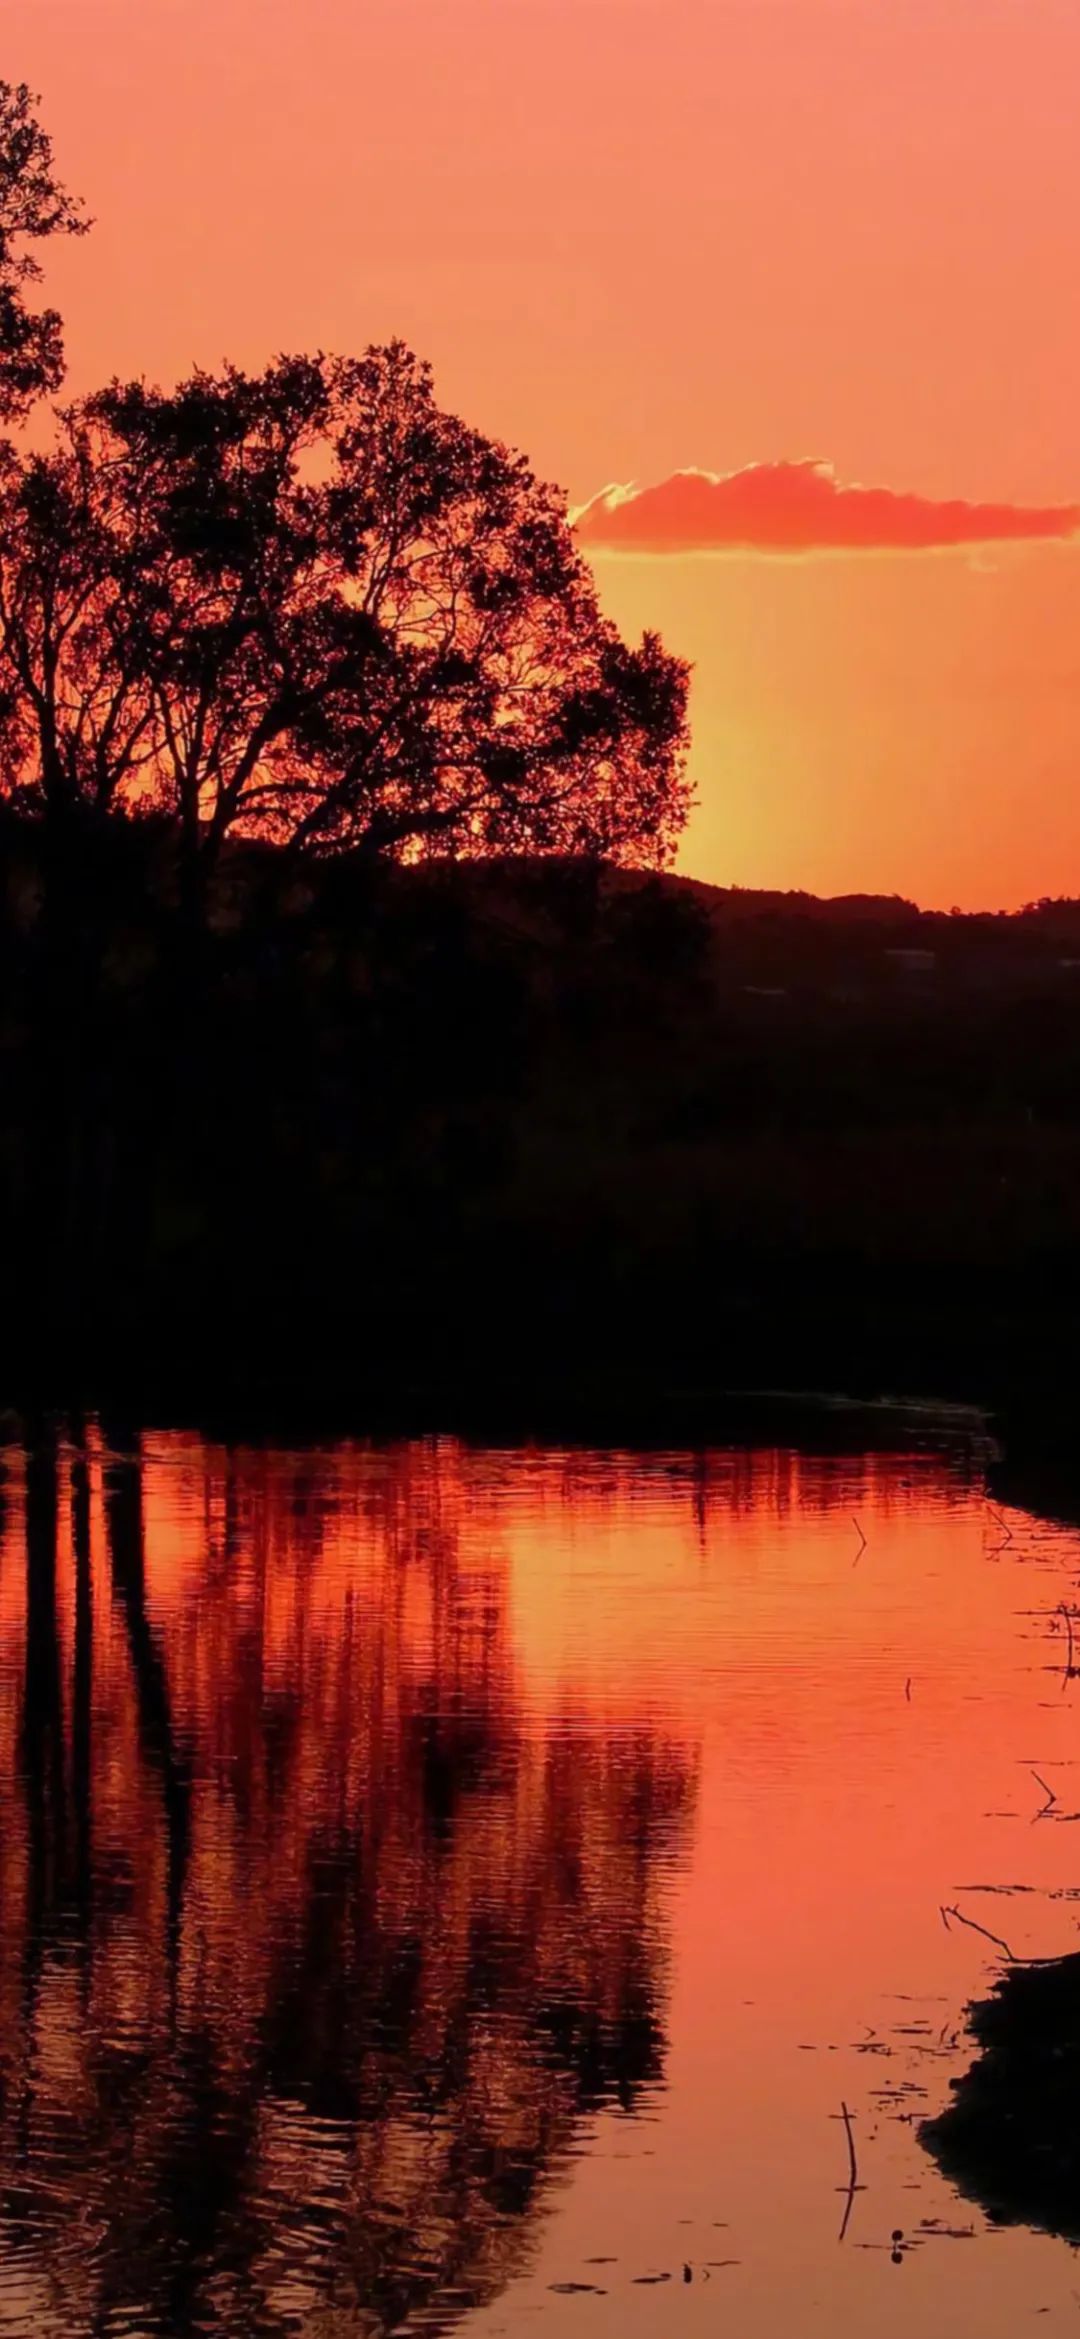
311, 605
33, 207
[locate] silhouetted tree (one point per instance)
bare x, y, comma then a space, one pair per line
78, 721
33, 206
314, 607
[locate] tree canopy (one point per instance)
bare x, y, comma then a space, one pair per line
313, 606
307, 605
33, 207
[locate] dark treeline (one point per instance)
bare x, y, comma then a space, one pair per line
498, 1124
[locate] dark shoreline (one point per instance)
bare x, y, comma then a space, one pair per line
533, 1149
1024, 1425
1008, 2138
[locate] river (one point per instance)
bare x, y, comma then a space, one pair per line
451, 1888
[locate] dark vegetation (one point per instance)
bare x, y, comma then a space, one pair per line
513, 1125
33, 207
1010, 2139
312, 608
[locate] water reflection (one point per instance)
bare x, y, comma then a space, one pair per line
319, 1938
440, 1886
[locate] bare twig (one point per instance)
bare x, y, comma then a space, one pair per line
1051, 1798
1013, 1959
1000, 1521
862, 1540
1069, 1666
907, 1689
975, 1927
853, 2186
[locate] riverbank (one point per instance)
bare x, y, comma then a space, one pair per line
1008, 2139
562, 1146
1027, 1444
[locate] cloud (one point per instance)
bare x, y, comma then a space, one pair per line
802, 507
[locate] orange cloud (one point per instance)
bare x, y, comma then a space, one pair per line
802, 507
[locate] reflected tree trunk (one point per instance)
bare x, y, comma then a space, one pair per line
41, 1738
82, 1689
42, 1718
124, 1532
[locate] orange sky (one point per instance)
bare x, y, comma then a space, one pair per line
637, 236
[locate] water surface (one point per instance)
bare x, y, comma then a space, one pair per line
458, 1889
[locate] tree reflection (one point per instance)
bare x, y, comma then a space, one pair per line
318, 1940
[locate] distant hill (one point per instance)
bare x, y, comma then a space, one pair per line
847, 946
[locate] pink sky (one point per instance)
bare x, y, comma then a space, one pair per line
639, 239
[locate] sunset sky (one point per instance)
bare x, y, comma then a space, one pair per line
642, 238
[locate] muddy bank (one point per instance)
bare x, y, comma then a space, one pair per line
1010, 2139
